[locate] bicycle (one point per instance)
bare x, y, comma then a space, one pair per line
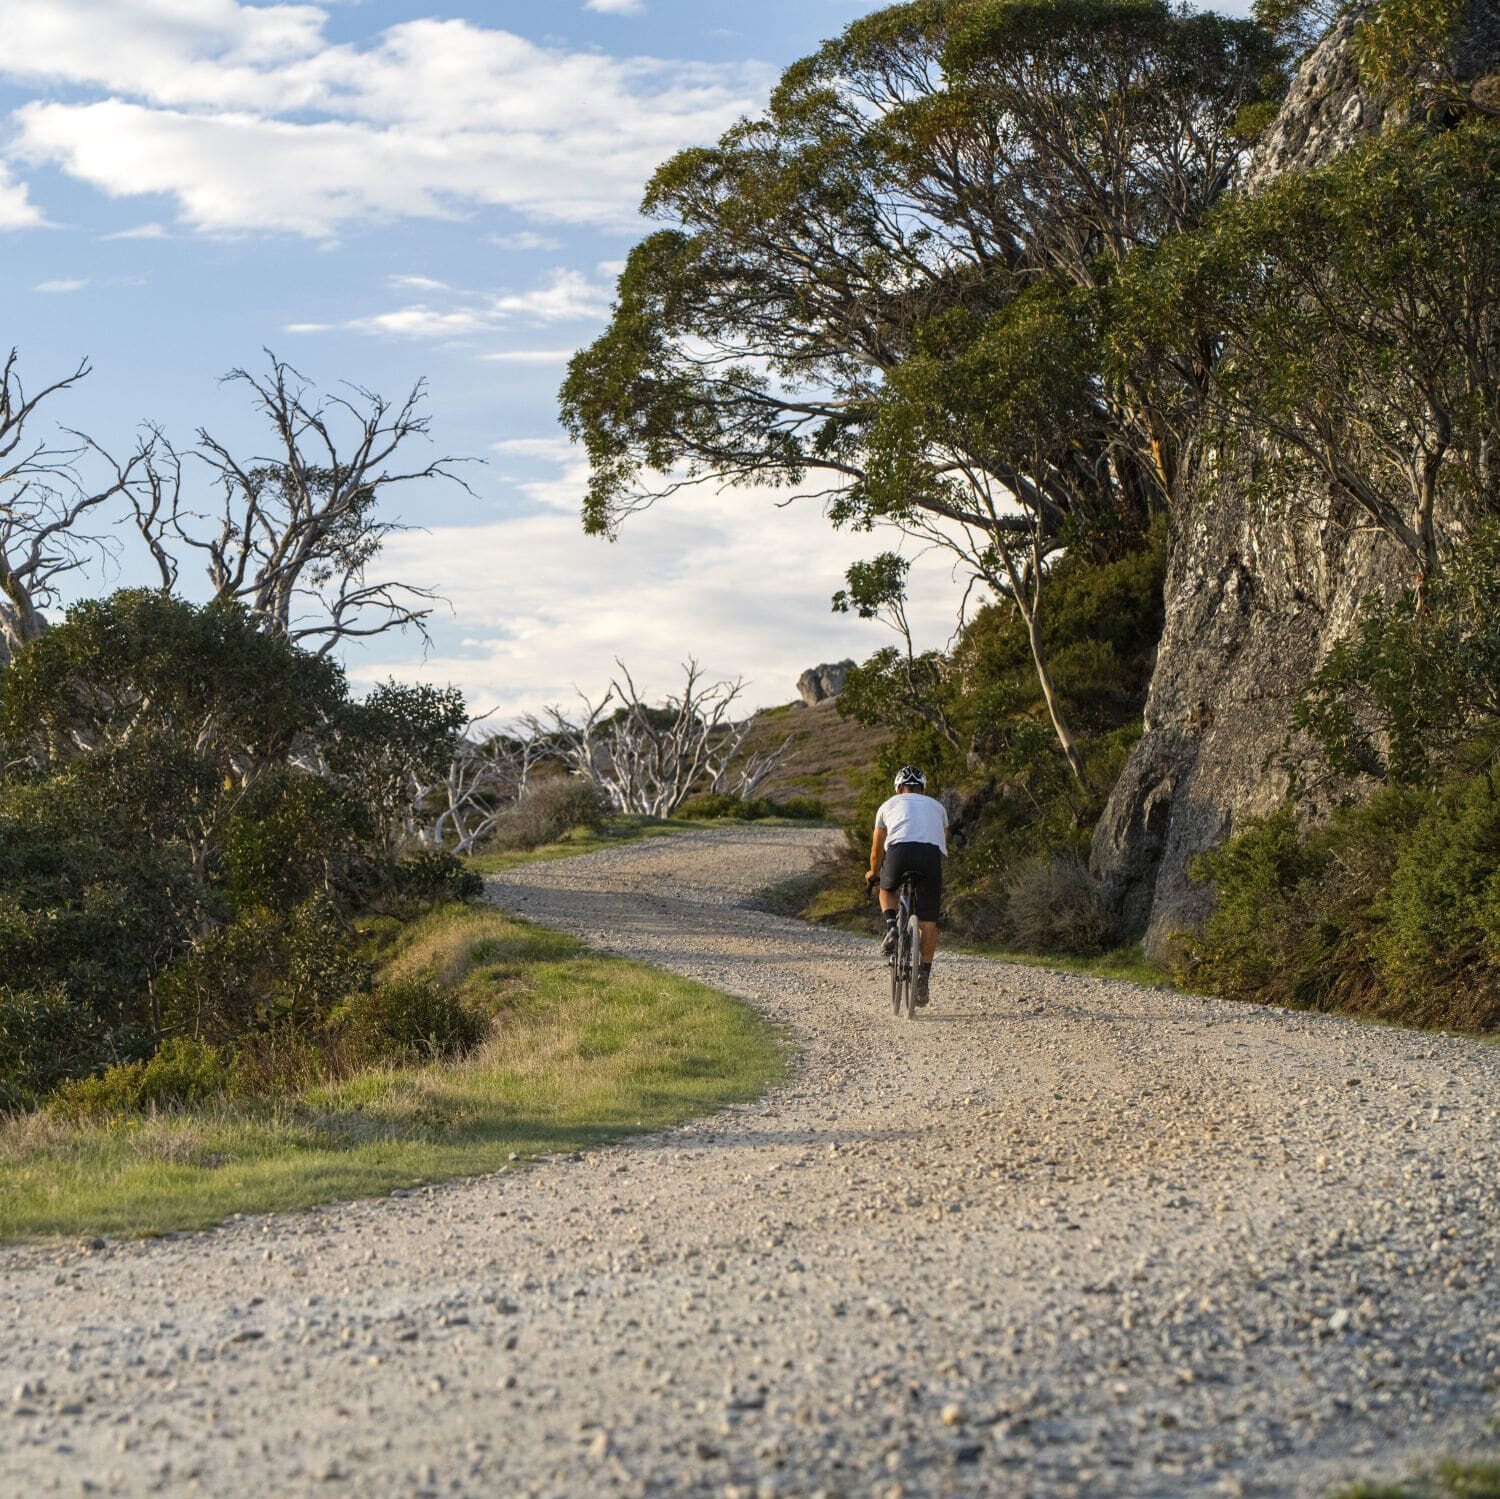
908, 951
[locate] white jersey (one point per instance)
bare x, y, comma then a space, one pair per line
913, 817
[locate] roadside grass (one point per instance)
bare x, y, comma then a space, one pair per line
1126, 962
1451, 1480
580, 841
583, 1050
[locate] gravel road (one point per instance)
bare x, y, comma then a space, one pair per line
1057, 1236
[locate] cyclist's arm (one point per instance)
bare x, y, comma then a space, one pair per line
877, 851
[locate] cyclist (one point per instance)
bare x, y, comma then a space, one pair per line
911, 837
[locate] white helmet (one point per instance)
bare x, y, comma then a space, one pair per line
909, 775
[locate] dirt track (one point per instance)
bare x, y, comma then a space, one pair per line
1058, 1236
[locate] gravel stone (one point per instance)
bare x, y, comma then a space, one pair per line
1141, 1244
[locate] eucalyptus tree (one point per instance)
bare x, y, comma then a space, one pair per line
1356, 312
913, 183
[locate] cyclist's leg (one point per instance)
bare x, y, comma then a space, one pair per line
929, 941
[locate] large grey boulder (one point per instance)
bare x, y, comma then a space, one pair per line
1255, 595
821, 684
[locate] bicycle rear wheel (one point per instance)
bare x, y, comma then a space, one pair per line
912, 942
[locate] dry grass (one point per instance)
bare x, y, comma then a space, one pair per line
582, 1050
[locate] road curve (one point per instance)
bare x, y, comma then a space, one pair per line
1057, 1236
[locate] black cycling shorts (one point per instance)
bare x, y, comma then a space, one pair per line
924, 862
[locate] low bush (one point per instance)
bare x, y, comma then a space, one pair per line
183, 1072
262, 970
716, 805
432, 877
1053, 905
548, 811
405, 1019
293, 836
45, 1039
1391, 909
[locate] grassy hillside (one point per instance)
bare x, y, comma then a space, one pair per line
830, 756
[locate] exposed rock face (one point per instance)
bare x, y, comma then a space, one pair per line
818, 684
1254, 598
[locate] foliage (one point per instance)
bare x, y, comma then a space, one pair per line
264, 969
550, 809
1391, 908
290, 837
1414, 681
142, 663
1356, 307
89, 901
1052, 905
400, 738
182, 1072
719, 804
431, 877
45, 1038
405, 1020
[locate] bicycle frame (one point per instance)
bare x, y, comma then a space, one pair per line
908, 952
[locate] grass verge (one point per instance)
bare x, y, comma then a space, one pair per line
583, 1050
1451, 1480
580, 841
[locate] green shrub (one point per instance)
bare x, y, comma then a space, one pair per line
549, 810
183, 1072
436, 878
1442, 912
716, 805
1391, 909
45, 1038
402, 1020
800, 809
262, 970
87, 901
1053, 905
292, 836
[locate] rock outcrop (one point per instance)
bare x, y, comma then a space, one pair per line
1254, 598
820, 684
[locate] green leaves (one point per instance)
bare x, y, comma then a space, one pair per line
1348, 318
1400, 696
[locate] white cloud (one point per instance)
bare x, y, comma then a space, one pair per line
16, 211
566, 297
563, 297
525, 240
530, 356
615, 7
140, 231
548, 449
727, 578
62, 284
250, 119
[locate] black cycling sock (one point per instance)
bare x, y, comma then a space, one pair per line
890, 918
927, 968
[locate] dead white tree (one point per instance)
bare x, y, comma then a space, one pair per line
46, 507
649, 759
486, 777
742, 777
294, 533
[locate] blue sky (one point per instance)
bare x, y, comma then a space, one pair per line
383, 191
